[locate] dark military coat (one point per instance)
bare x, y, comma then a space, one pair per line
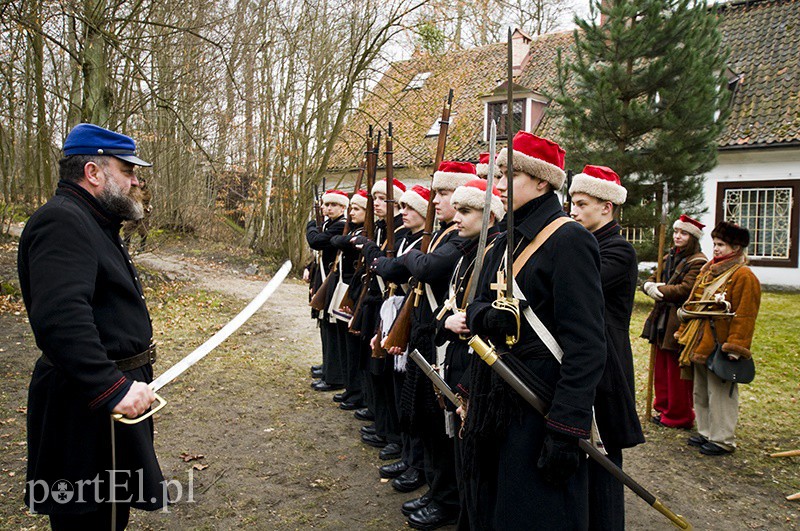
615, 404
319, 239
419, 407
86, 308
504, 438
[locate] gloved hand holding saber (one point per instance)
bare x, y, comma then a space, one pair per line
212, 343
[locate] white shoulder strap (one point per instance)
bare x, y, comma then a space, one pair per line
538, 326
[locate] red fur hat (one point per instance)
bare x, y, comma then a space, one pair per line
538, 157
687, 224
452, 174
417, 198
600, 182
335, 196
473, 195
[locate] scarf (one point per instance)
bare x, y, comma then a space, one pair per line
713, 280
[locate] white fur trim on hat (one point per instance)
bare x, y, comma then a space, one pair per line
358, 201
380, 188
415, 201
475, 198
445, 180
340, 199
534, 167
482, 170
599, 188
685, 226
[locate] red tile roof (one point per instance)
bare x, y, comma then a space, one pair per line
763, 36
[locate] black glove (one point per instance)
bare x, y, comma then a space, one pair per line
499, 322
560, 457
312, 223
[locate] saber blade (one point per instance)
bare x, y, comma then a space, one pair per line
487, 210
214, 341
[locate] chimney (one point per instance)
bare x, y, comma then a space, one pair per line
520, 46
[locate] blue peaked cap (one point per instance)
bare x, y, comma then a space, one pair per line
89, 139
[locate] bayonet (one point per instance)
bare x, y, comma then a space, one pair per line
505, 275
487, 211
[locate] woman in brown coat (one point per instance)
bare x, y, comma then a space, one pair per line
673, 395
725, 278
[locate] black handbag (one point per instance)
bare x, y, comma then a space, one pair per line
741, 371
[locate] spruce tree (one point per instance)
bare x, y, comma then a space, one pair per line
645, 93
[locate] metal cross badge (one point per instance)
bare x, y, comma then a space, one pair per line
500, 285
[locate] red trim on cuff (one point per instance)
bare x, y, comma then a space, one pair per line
576, 432
108, 392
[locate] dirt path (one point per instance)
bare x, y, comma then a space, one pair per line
702, 490
277, 455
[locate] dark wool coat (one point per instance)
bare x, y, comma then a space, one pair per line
679, 275
86, 308
319, 239
350, 255
615, 403
370, 314
419, 405
562, 284
458, 358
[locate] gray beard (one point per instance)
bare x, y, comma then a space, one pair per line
123, 205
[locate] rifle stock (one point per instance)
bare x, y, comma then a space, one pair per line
400, 332
318, 300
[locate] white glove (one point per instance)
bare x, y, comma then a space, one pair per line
651, 288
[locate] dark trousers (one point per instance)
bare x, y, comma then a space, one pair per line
332, 349
606, 495
95, 520
368, 393
386, 420
353, 378
440, 469
413, 452
466, 517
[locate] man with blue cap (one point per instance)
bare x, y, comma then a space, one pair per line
88, 314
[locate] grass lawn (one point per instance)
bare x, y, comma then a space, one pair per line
769, 414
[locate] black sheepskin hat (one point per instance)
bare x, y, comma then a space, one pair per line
731, 234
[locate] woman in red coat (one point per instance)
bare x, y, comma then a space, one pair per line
673, 395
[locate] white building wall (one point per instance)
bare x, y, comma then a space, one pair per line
752, 165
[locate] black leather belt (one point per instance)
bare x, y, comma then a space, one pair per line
126, 364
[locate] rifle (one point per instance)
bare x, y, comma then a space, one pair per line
401, 329
345, 308
314, 266
567, 196
662, 231
369, 227
319, 300
378, 351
